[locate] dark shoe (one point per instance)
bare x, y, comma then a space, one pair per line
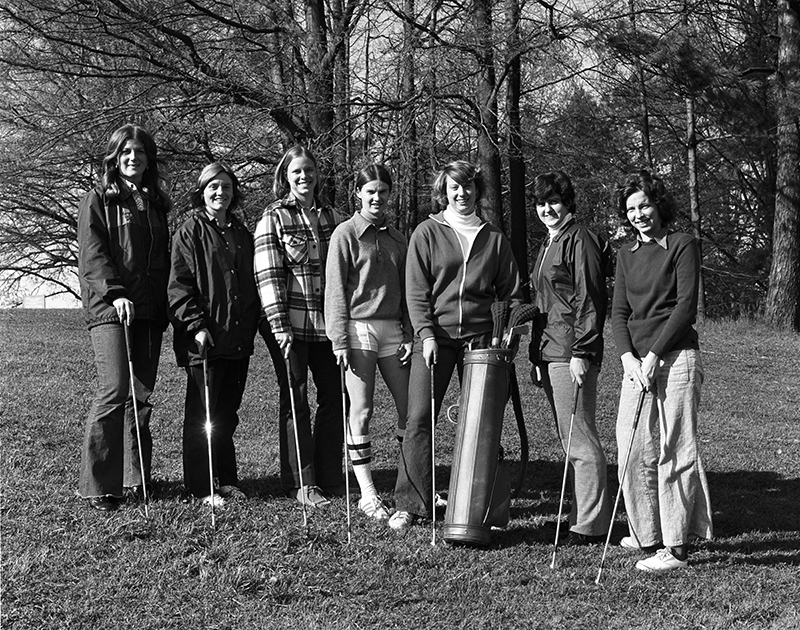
104, 504
134, 494
581, 540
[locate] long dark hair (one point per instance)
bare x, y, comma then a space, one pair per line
373, 173
151, 180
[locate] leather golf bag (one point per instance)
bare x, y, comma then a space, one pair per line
480, 488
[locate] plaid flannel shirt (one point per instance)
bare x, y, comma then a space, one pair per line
290, 268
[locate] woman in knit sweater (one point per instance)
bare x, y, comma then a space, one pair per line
653, 313
457, 266
366, 319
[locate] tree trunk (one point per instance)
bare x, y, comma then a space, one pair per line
488, 152
644, 113
320, 87
409, 206
694, 199
782, 308
516, 160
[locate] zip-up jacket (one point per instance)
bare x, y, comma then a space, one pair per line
450, 297
122, 252
569, 278
212, 286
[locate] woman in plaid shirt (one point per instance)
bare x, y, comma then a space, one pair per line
291, 245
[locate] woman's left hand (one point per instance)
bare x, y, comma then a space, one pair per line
649, 365
342, 358
404, 353
578, 368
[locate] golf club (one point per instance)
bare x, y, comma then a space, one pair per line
136, 416
621, 478
297, 444
433, 456
207, 392
566, 471
346, 457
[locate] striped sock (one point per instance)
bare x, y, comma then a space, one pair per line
359, 448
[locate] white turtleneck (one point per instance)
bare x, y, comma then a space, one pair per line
466, 228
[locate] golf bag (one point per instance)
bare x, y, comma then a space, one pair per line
479, 495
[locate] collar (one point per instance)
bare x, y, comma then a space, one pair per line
361, 225
439, 218
201, 212
563, 231
661, 242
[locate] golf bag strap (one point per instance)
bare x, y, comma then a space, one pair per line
523, 433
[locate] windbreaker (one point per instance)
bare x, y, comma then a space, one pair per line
570, 292
114, 260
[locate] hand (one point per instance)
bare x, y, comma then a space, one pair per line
633, 370
204, 341
430, 351
284, 343
649, 366
342, 358
404, 353
125, 310
578, 368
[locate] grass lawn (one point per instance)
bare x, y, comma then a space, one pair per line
65, 566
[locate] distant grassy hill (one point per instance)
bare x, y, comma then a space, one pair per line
64, 566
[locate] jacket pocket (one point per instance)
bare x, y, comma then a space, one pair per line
296, 248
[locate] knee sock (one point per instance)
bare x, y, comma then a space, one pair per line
359, 449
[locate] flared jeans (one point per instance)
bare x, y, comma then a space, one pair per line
666, 491
110, 454
590, 513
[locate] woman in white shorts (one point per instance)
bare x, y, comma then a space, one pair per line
367, 321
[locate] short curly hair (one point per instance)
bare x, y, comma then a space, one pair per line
555, 183
652, 186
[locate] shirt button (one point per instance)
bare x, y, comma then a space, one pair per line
233, 271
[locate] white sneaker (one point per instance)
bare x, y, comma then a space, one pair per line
216, 499
401, 521
661, 562
374, 508
629, 542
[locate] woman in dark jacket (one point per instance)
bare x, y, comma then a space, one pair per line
214, 308
569, 278
123, 264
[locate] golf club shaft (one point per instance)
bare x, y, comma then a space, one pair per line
297, 443
346, 456
207, 396
136, 416
433, 455
638, 413
566, 471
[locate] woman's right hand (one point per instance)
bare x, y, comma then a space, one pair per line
342, 358
430, 351
633, 370
284, 343
204, 341
125, 310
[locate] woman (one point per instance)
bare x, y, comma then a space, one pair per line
292, 241
123, 264
569, 278
214, 309
653, 313
367, 320
457, 266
